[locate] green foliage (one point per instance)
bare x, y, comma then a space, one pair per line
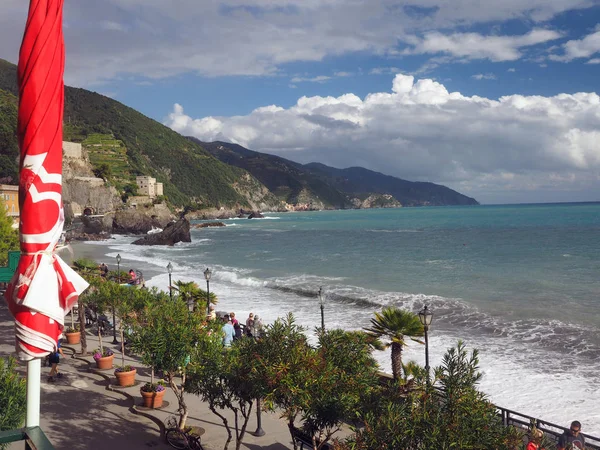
165, 334
10, 235
395, 324
9, 147
225, 379
322, 385
455, 416
192, 295
12, 395
103, 171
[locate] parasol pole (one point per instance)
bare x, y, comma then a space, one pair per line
34, 375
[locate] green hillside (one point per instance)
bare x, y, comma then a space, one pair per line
286, 179
334, 187
190, 174
9, 146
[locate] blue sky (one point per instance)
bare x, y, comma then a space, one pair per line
494, 99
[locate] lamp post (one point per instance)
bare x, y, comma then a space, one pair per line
170, 270
113, 308
426, 316
321, 300
207, 274
259, 431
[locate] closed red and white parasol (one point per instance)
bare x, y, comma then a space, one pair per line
43, 288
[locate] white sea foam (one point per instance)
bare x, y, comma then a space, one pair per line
522, 368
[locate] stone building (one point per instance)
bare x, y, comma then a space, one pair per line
149, 187
10, 196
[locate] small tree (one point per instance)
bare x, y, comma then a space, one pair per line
12, 396
225, 380
165, 334
88, 269
322, 385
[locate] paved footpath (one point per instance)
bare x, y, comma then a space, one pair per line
84, 410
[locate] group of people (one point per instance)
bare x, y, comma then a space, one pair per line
134, 279
232, 329
571, 439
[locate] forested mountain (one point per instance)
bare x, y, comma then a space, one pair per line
190, 174
123, 143
339, 188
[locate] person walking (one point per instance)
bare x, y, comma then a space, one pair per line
249, 325
54, 361
257, 327
572, 438
228, 331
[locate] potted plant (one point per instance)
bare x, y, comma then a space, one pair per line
125, 375
104, 358
73, 335
153, 394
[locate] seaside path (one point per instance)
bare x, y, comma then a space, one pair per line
84, 410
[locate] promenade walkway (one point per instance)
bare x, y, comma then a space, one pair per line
84, 410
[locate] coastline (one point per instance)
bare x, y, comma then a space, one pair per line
245, 280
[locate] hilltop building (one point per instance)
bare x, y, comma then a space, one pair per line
10, 195
149, 187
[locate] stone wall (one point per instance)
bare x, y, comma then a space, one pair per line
72, 150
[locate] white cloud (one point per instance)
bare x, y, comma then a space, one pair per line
579, 48
317, 79
484, 76
593, 61
151, 38
512, 69
477, 46
420, 131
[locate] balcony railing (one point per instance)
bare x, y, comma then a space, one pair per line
34, 438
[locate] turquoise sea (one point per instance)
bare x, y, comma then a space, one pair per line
518, 282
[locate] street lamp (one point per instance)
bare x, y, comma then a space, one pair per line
113, 308
259, 431
170, 270
426, 316
207, 274
321, 300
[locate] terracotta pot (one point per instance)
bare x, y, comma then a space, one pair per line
126, 378
105, 363
73, 338
153, 399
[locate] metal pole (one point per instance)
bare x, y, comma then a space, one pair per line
114, 327
34, 374
259, 431
322, 318
427, 354
170, 288
207, 297
113, 308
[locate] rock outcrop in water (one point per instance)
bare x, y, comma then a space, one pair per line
173, 233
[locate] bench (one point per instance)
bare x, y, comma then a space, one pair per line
304, 440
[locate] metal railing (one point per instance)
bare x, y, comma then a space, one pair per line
553, 431
522, 421
34, 438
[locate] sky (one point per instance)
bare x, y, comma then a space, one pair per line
496, 99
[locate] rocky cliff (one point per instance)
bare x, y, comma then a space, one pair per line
82, 190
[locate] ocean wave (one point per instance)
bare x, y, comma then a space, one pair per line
400, 230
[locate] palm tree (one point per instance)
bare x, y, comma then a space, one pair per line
395, 324
192, 294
